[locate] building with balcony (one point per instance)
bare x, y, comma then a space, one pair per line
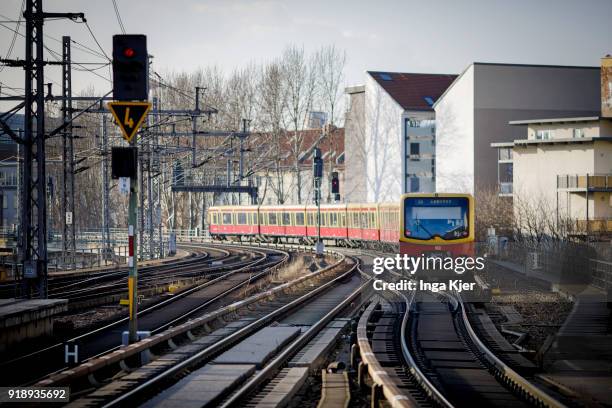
477, 107
390, 135
564, 167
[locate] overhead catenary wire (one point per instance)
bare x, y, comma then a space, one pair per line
96, 40
118, 16
12, 45
79, 46
57, 57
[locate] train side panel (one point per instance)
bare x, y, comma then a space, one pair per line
363, 222
389, 222
270, 221
333, 221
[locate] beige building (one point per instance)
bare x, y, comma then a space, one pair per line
565, 165
560, 175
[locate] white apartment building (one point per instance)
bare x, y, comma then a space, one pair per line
476, 109
390, 135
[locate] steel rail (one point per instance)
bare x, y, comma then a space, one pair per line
141, 312
272, 368
503, 372
413, 367
394, 395
209, 352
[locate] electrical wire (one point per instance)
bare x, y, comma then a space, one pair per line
96, 40
58, 58
81, 47
118, 16
10, 49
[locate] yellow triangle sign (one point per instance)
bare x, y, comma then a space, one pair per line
129, 116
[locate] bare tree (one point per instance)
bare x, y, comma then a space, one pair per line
300, 78
273, 108
330, 63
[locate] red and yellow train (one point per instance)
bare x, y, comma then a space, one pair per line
343, 224
436, 224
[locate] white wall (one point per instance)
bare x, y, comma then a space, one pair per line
383, 144
354, 148
455, 137
535, 175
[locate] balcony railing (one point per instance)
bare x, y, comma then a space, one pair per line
8, 180
596, 226
591, 182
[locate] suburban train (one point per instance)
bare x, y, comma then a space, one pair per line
436, 224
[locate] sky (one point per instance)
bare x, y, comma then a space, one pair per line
442, 36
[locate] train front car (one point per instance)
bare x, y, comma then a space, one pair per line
437, 225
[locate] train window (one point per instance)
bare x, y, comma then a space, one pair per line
445, 218
372, 220
310, 219
286, 218
364, 220
241, 218
299, 218
342, 219
324, 219
215, 219
261, 219
227, 218
272, 218
333, 219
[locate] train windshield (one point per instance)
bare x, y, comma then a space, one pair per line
429, 217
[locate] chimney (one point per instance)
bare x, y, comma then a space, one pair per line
606, 86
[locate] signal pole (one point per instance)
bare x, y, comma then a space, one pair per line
133, 264
130, 83
317, 167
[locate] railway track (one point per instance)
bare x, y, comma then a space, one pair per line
71, 285
285, 318
422, 350
29, 368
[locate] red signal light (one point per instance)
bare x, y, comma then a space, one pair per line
129, 52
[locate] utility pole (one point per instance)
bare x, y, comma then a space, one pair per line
33, 239
67, 214
150, 199
106, 192
317, 168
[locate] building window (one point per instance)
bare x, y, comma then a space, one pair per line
415, 184
544, 134
415, 150
578, 133
505, 153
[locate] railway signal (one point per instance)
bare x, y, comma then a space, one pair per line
130, 68
130, 91
335, 185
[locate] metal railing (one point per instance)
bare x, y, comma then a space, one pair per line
584, 181
594, 226
563, 262
8, 180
